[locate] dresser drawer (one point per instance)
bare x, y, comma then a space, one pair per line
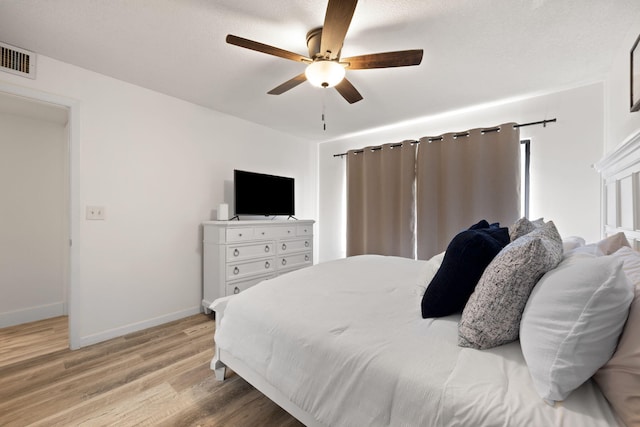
287, 246
294, 261
241, 285
251, 268
239, 234
275, 232
256, 250
304, 230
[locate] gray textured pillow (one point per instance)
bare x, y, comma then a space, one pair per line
520, 228
492, 314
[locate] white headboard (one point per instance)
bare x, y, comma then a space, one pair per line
620, 196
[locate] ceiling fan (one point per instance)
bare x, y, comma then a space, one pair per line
325, 66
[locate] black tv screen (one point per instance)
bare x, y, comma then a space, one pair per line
261, 194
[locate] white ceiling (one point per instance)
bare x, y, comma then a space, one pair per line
474, 52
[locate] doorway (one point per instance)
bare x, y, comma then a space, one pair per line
35, 147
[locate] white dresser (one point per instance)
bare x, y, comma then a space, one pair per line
239, 254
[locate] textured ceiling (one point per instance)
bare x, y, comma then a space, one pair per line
474, 52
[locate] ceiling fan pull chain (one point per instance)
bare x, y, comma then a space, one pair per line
324, 123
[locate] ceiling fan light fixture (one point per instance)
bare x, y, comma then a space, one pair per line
323, 73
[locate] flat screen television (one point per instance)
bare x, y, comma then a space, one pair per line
262, 194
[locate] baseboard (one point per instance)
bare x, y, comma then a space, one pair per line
138, 326
31, 314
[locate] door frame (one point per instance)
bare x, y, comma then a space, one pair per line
73, 189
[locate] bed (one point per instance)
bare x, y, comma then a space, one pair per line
343, 343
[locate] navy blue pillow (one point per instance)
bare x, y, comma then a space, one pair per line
480, 225
484, 224
466, 258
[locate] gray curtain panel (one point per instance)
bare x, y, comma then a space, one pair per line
380, 200
462, 180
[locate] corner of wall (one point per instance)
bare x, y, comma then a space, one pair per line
619, 122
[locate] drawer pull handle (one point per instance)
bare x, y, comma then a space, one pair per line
263, 233
236, 252
284, 247
236, 270
305, 230
236, 290
239, 234
306, 244
288, 231
284, 261
267, 265
267, 248
306, 257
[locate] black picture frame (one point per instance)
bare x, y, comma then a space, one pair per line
635, 75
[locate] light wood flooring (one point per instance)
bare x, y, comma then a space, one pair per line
156, 377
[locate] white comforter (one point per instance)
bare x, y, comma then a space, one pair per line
345, 342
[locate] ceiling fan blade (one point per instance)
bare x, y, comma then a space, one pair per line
348, 92
289, 84
401, 58
265, 48
336, 23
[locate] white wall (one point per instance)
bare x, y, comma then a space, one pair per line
33, 219
564, 187
158, 165
620, 123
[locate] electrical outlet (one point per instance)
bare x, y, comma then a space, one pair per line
96, 212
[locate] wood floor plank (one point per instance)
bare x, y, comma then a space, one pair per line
31, 339
93, 362
121, 395
98, 380
156, 377
212, 407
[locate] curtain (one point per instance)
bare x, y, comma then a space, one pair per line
463, 178
380, 200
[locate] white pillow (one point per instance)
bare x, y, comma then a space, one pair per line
619, 378
606, 246
572, 242
630, 263
427, 272
572, 321
590, 249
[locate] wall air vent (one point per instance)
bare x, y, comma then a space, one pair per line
17, 61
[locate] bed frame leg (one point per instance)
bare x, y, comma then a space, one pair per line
219, 368
216, 364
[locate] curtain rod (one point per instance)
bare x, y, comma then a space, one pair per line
457, 135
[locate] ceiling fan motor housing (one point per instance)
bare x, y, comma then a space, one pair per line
314, 38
